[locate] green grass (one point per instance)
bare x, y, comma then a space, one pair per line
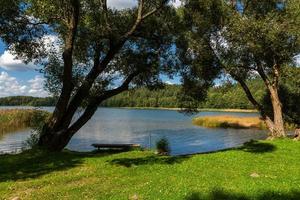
274, 166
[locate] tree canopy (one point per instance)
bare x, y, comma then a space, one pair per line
99, 52
246, 39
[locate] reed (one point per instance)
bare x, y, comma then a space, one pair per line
18, 119
225, 121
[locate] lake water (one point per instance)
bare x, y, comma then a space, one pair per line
145, 127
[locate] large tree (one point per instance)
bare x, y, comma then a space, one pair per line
99, 52
247, 38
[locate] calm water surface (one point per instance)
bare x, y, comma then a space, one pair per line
145, 127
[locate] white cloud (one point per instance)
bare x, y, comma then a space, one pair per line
36, 87
297, 60
177, 3
9, 62
51, 43
10, 86
169, 83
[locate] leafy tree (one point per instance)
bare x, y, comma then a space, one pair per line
289, 94
245, 39
99, 47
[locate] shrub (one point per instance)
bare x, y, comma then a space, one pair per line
162, 146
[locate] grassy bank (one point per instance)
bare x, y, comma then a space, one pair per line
17, 119
224, 121
258, 170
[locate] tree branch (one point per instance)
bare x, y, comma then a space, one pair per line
68, 62
276, 73
250, 97
264, 77
83, 91
94, 103
141, 16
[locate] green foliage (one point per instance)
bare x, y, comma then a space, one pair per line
225, 96
244, 39
163, 146
259, 170
144, 97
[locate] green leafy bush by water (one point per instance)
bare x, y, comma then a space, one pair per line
163, 147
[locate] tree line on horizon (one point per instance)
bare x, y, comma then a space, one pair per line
225, 96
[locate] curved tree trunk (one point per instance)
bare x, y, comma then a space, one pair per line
55, 138
277, 130
275, 126
54, 141
297, 134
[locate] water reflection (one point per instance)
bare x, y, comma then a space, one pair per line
111, 125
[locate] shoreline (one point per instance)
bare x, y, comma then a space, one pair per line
146, 108
200, 109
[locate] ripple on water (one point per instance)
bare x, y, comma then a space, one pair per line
112, 125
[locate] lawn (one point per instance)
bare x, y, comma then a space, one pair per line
259, 170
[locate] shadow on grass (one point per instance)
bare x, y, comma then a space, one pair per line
222, 195
34, 163
149, 160
257, 147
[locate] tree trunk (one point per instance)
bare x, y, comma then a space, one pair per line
275, 126
54, 141
277, 130
297, 134
55, 138
58, 131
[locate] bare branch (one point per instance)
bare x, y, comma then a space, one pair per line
154, 10
264, 77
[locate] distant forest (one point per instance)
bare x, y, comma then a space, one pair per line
27, 101
228, 95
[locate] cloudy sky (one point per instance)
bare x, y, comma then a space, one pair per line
18, 78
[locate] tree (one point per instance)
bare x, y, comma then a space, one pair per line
289, 94
246, 39
100, 48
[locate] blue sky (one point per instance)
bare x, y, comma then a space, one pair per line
17, 78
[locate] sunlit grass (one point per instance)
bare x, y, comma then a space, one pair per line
259, 170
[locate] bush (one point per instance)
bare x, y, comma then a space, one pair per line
162, 146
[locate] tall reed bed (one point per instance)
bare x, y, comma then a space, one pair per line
224, 121
17, 119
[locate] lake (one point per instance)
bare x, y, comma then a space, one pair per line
145, 127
